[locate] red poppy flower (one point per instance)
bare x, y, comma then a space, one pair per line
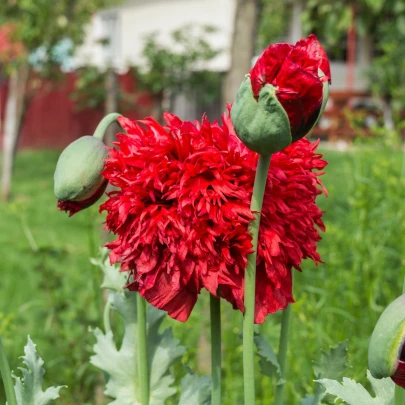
298, 72
182, 208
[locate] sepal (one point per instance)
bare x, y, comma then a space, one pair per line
262, 124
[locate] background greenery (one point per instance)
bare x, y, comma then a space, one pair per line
49, 289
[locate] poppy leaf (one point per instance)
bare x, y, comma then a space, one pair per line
28, 389
268, 359
120, 364
353, 393
113, 280
332, 364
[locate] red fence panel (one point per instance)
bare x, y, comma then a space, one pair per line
52, 119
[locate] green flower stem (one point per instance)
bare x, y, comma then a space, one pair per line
103, 125
317, 394
107, 317
142, 354
216, 355
6, 376
399, 395
250, 281
282, 352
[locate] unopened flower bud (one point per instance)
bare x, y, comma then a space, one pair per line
78, 179
386, 352
283, 96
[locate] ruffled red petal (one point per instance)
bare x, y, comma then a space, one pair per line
181, 212
316, 55
268, 65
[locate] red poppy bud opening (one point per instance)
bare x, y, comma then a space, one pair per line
72, 207
299, 73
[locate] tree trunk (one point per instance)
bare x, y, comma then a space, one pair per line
157, 108
295, 30
243, 46
110, 106
388, 115
15, 105
111, 103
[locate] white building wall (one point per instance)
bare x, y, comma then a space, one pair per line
339, 71
131, 22
128, 24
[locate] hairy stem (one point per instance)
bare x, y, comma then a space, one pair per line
142, 354
318, 394
282, 352
250, 281
216, 355
6, 376
107, 317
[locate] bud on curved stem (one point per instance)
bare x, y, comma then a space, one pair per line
78, 179
102, 127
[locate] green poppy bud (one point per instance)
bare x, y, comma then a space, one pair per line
386, 357
78, 179
262, 124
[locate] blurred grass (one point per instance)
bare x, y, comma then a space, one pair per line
49, 290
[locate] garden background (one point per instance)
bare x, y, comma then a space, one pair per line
48, 288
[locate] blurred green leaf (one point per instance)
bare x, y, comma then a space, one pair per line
268, 359
333, 363
195, 390
308, 400
114, 279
